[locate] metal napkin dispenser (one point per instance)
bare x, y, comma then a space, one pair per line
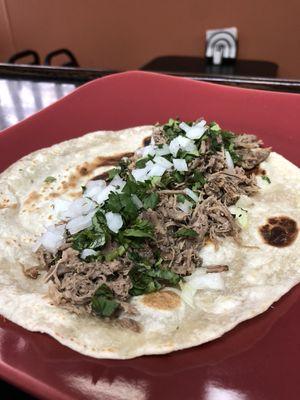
221, 45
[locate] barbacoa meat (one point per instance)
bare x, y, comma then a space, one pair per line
76, 281
250, 152
228, 185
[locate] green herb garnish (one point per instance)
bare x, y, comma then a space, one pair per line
112, 173
266, 178
94, 237
49, 179
147, 279
103, 303
151, 201
142, 228
185, 232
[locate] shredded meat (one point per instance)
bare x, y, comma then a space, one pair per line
129, 323
229, 185
217, 268
249, 150
209, 163
45, 258
32, 272
76, 281
158, 137
120, 286
220, 221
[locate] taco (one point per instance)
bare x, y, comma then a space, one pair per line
147, 240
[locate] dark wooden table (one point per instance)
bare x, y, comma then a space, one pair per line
26, 89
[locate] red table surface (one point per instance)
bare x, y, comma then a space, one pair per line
259, 358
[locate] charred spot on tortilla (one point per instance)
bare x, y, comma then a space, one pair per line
33, 196
147, 141
83, 171
165, 300
279, 231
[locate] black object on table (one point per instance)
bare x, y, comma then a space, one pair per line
197, 65
25, 89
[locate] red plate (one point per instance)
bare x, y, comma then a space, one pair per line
258, 359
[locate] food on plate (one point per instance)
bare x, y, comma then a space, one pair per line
147, 240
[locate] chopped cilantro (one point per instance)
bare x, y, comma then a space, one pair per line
151, 201
266, 178
50, 179
103, 303
141, 163
198, 180
213, 126
113, 254
142, 228
184, 232
180, 198
94, 237
112, 173
171, 129
122, 203
146, 278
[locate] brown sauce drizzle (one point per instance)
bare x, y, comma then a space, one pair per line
279, 231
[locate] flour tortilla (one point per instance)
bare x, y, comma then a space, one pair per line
258, 275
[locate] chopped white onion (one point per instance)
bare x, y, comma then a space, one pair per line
162, 161
157, 170
241, 215
188, 293
242, 218
185, 127
183, 141
79, 207
196, 131
147, 151
186, 206
140, 174
149, 165
202, 280
61, 206
163, 151
94, 188
79, 223
174, 146
244, 201
36, 245
180, 164
103, 195
118, 182
88, 252
229, 161
191, 194
53, 238
188, 145
57, 229
114, 221
137, 201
